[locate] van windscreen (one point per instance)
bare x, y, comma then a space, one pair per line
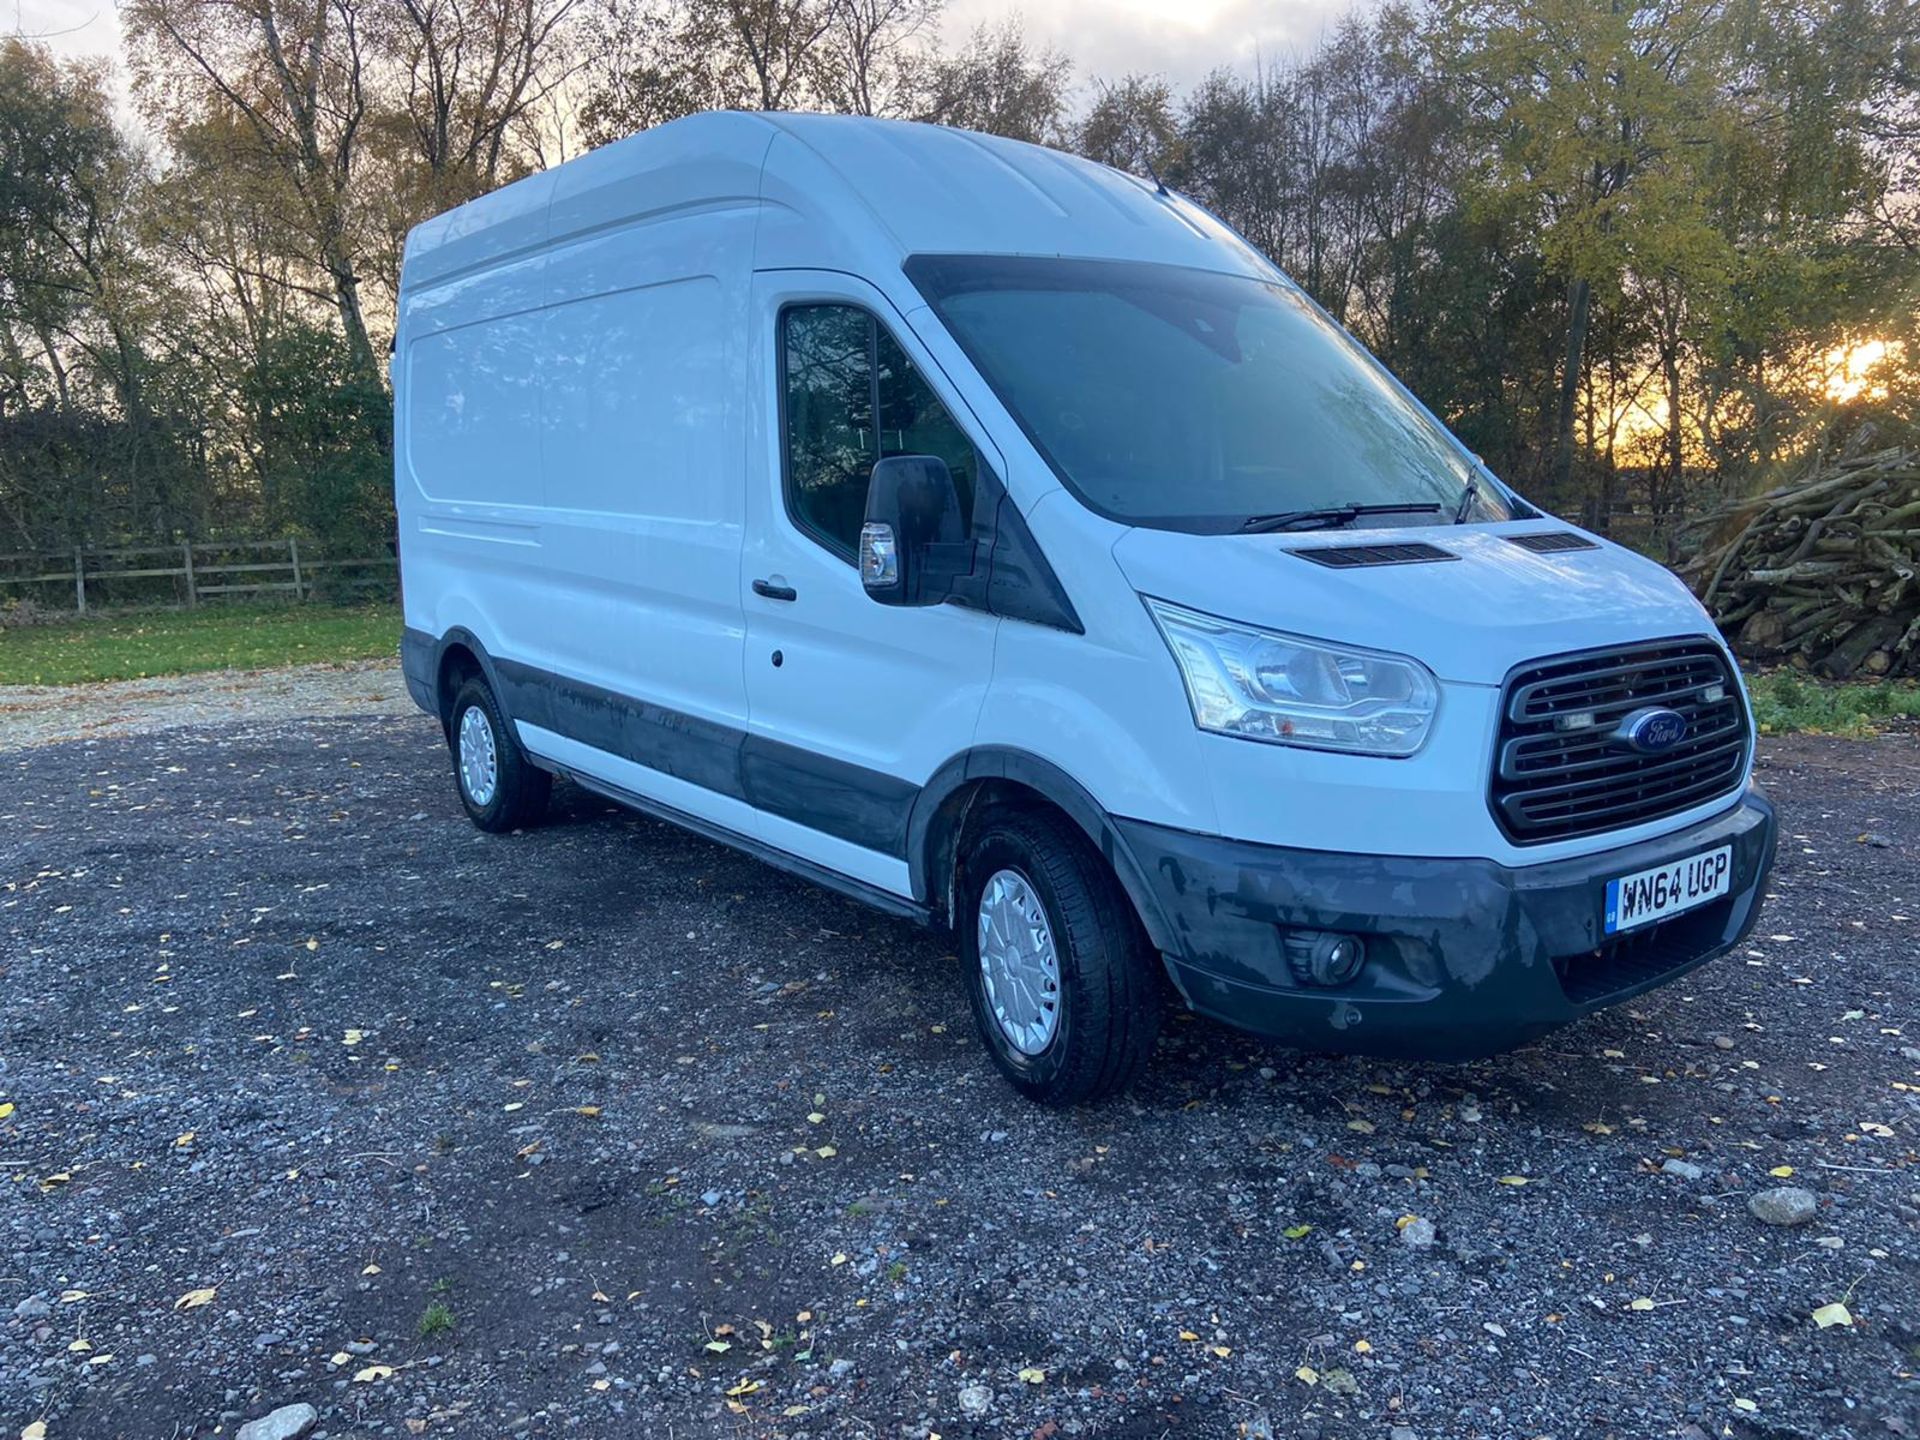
1189, 400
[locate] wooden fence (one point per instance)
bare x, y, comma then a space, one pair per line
187, 573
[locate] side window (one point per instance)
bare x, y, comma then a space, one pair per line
853, 398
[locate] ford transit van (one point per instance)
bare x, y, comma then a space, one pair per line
1001, 540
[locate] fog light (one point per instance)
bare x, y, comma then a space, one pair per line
1323, 958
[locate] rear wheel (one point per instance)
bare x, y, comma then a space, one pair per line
501, 788
1064, 984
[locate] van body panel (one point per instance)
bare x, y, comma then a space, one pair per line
482, 235
643, 385
467, 411
846, 186
1097, 705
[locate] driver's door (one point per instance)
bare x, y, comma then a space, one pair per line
851, 704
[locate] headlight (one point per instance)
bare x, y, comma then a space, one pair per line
1263, 685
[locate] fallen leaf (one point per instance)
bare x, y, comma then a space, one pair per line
34, 1430
1597, 1127
73, 1297
1033, 1376
1781, 1172
1307, 1375
1643, 1303
719, 1347
1828, 1316
1296, 1232
6, 1109
1363, 1347
372, 1373
1515, 1180
1188, 1335
1222, 1351
746, 1387
194, 1299
183, 1140
371, 1270
592, 1112
839, 1258
826, 1152
1360, 1127
353, 1037
1742, 1403
815, 1118
79, 1347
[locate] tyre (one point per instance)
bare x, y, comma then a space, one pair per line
501, 788
1065, 986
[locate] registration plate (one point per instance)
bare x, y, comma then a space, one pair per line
1649, 895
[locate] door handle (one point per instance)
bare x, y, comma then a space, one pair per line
775, 592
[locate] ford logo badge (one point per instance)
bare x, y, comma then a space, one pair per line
1652, 730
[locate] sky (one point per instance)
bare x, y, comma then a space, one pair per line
1181, 39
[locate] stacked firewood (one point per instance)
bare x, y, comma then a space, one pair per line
1819, 572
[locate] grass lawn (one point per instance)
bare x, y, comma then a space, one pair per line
1785, 701
133, 644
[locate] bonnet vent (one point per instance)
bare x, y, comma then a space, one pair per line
1549, 542
1354, 557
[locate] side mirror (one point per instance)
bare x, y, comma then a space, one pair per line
913, 545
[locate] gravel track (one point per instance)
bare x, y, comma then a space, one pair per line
682, 1147
45, 714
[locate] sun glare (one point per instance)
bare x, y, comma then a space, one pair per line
1848, 372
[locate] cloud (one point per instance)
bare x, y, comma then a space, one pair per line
1180, 39
67, 27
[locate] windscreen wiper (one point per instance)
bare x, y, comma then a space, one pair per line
1327, 517
1471, 494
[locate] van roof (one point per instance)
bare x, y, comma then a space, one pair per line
838, 191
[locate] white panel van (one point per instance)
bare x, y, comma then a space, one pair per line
1001, 540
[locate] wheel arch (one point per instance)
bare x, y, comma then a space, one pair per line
455, 655
980, 775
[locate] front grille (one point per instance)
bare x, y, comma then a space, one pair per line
1558, 769
1348, 557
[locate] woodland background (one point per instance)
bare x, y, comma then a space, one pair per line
1645, 258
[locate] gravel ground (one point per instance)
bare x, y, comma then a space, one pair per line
42, 714
319, 1096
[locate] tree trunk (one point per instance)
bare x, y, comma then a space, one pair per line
1579, 303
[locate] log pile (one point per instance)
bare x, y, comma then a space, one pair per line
1819, 572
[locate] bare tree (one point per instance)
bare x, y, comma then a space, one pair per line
466, 72
774, 46
296, 73
1132, 126
874, 58
999, 84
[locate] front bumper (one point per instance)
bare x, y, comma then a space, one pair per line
1465, 957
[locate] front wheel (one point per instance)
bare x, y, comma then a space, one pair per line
501, 788
1064, 984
